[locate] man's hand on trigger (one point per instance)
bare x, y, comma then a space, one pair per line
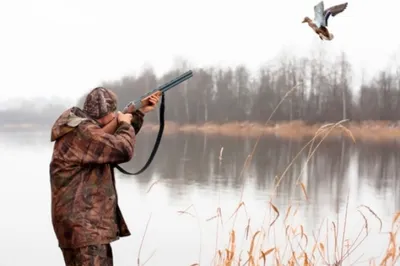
130, 109
124, 117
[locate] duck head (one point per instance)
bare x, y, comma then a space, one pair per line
306, 19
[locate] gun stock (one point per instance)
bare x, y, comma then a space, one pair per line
161, 89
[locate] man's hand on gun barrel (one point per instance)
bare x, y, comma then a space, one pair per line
148, 104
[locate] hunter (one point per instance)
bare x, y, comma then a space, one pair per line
84, 204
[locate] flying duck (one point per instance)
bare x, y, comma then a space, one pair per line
321, 16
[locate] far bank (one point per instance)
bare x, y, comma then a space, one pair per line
366, 130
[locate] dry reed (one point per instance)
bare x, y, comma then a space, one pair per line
305, 252
334, 248
305, 249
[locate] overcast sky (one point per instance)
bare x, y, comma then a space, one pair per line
64, 48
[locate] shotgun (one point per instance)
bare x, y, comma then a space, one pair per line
160, 90
138, 103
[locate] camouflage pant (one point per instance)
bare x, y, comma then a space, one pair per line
95, 255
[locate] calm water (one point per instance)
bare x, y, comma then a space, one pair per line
189, 173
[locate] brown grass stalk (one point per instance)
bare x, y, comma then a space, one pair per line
300, 254
261, 247
141, 243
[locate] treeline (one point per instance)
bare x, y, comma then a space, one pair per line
323, 93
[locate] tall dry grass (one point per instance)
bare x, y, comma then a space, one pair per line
329, 248
329, 245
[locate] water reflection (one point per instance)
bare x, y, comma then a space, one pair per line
194, 160
190, 172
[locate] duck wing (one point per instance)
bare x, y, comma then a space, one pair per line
333, 10
319, 19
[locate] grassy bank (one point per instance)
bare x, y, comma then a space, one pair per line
369, 130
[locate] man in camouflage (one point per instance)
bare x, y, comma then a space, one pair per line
85, 213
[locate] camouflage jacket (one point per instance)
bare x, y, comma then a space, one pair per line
84, 200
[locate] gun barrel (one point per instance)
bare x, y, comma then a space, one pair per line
176, 81
165, 87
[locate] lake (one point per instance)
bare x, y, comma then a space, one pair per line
180, 193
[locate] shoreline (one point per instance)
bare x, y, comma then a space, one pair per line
295, 130
366, 130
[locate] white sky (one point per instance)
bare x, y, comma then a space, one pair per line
64, 48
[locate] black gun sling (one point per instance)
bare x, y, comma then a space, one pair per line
157, 143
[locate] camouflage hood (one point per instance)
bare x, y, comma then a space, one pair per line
67, 121
98, 103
